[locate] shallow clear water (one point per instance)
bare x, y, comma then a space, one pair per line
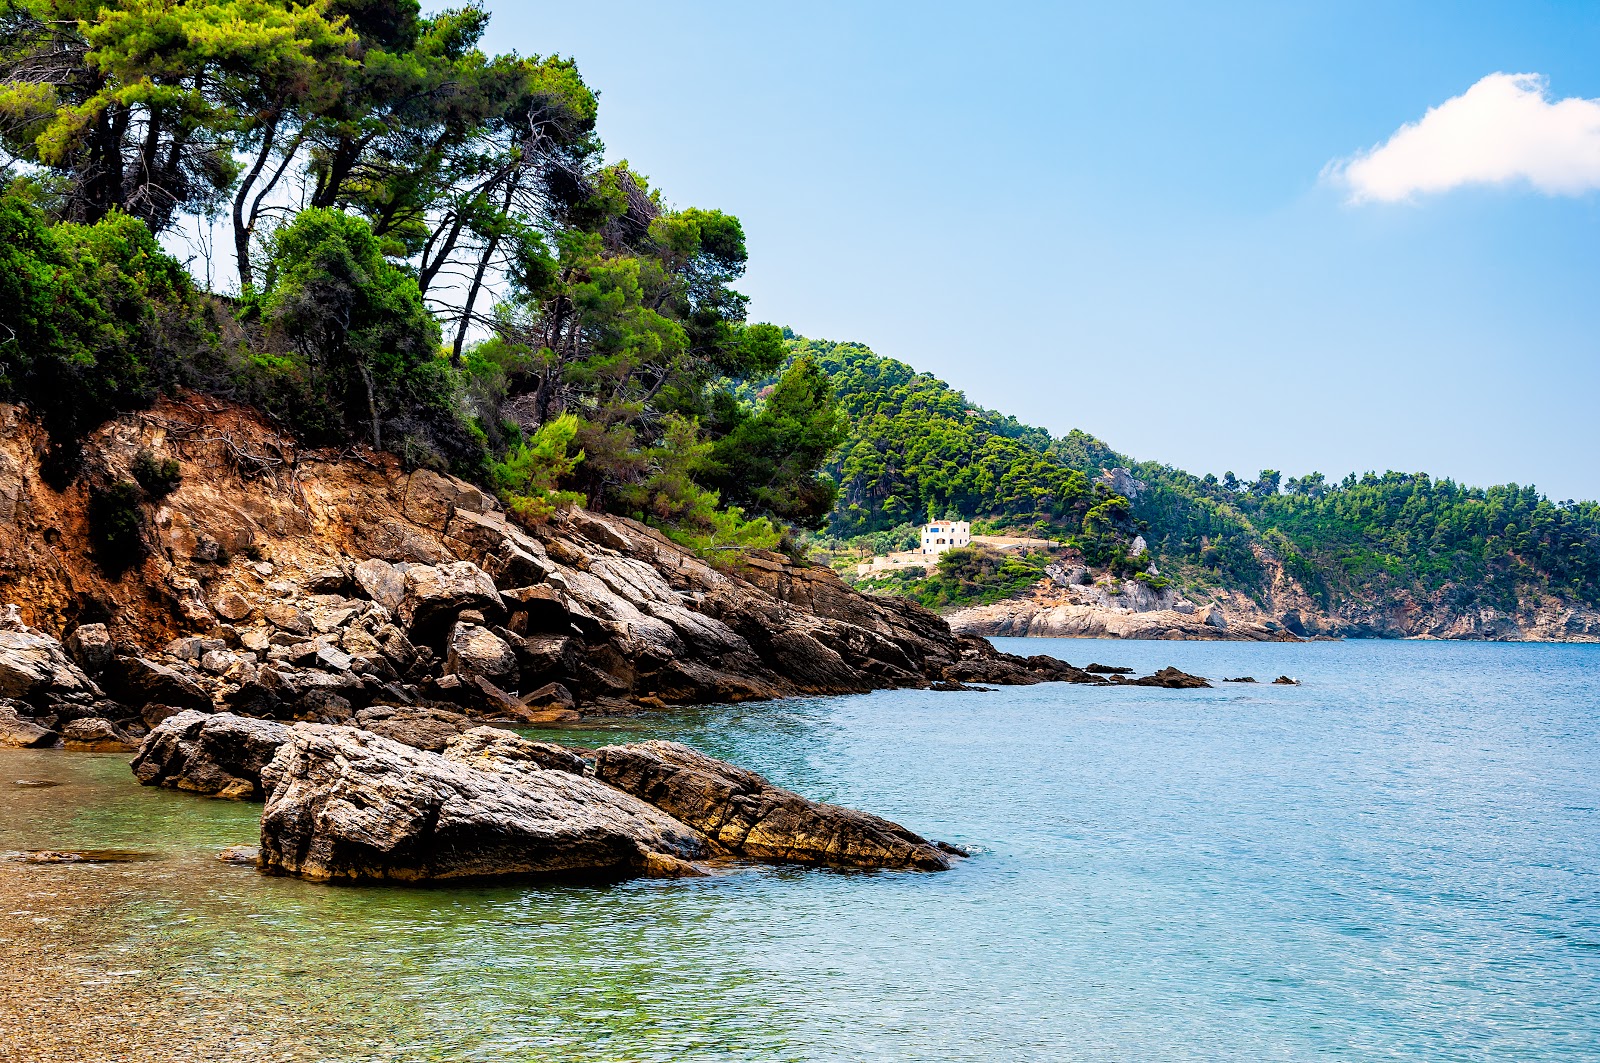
1398, 859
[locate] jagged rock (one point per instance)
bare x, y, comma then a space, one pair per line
90, 645
429, 728
231, 606
1108, 669
550, 696
542, 658
381, 582
435, 594
95, 735
1285, 681
512, 753
1170, 678
32, 665
18, 730
221, 755
748, 816
349, 805
138, 681
1241, 679
476, 650
330, 579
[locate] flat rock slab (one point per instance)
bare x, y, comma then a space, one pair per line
747, 816
347, 805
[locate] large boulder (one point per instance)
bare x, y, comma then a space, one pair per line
436, 594
348, 805
138, 681
747, 816
421, 726
381, 582
33, 665
221, 755
18, 730
90, 645
475, 650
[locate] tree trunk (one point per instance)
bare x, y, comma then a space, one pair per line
242, 228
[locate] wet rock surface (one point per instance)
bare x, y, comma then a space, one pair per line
747, 816
349, 805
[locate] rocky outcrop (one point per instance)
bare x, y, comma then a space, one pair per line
1069, 604
343, 803
307, 586
219, 755
348, 805
747, 816
19, 730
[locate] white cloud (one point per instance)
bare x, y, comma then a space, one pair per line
1504, 130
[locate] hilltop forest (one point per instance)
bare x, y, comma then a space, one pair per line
917, 449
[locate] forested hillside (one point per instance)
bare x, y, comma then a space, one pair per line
918, 447
432, 256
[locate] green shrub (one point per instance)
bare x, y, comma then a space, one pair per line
116, 526
158, 478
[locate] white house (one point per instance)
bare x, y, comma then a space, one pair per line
942, 535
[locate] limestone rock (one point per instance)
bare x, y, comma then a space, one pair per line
476, 650
748, 816
435, 594
221, 755
495, 749
32, 665
381, 582
18, 730
138, 681
95, 735
348, 805
429, 727
90, 645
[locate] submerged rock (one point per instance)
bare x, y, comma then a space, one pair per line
748, 816
349, 805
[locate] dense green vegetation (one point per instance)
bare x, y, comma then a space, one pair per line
918, 448
433, 258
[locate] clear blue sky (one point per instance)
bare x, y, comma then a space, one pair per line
1122, 218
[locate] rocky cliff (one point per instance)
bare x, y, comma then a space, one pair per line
1070, 604
327, 586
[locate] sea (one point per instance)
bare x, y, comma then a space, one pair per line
1396, 859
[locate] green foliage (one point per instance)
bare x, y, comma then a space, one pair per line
116, 526
158, 478
363, 350
917, 447
94, 319
769, 459
527, 476
1377, 534
978, 575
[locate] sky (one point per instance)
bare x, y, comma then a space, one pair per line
1227, 237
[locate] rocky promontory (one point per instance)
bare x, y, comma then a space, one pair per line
315, 585
345, 804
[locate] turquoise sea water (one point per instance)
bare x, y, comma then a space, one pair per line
1398, 859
